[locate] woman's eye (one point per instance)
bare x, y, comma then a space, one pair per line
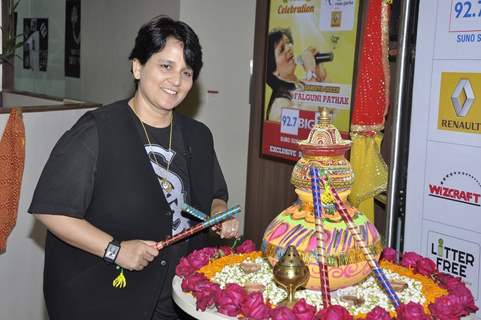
188, 74
165, 66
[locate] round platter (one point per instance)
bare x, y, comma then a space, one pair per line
186, 302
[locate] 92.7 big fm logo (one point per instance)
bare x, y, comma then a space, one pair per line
460, 102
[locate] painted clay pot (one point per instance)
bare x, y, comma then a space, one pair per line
347, 265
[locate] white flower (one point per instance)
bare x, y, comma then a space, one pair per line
368, 290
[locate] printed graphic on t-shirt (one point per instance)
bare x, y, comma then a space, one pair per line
176, 197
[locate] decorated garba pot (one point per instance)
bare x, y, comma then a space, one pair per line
325, 149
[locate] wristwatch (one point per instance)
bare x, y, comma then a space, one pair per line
112, 251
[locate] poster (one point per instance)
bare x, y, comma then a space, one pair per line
443, 196
72, 39
311, 47
35, 45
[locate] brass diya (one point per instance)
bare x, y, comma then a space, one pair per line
290, 273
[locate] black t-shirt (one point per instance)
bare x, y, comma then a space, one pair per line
67, 182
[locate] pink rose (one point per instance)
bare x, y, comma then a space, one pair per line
236, 292
198, 259
191, 281
334, 312
389, 254
378, 313
447, 308
409, 259
282, 313
183, 268
447, 281
246, 247
230, 299
225, 251
230, 310
465, 297
254, 307
303, 310
411, 311
425, 266
209, 251
206, 294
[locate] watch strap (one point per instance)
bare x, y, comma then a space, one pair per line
112, 251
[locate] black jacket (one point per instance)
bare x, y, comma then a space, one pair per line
128, 204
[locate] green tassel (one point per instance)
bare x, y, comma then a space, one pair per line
120, 281
234, 244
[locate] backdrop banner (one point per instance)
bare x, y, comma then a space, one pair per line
443, 198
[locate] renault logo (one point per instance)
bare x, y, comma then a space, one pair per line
462, 107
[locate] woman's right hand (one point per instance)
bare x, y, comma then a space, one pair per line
314, 71
136, 254
308, 59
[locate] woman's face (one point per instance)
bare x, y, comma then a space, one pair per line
165, 79
285, 62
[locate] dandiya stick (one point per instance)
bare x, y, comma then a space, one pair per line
321, 249
194, 212
378, 273
198, 227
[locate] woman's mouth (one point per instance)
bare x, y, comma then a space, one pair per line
169, 91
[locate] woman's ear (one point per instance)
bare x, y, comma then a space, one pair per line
136, 68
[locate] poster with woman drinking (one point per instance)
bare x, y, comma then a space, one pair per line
310, 53
72, 38
35, 44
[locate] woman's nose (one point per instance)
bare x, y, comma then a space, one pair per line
176, 78
290, 47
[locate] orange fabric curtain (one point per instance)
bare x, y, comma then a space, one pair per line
12, 160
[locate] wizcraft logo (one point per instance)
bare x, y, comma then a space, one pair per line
453, 187
459, 107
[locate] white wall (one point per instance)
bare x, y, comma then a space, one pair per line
226, 32
21, 266
11, 99
51, 82
108, 30
111, 26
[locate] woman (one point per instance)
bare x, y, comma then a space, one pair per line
281, 68
114, 185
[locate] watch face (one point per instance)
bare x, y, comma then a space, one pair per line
111, 252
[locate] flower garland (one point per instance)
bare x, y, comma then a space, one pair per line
215, 266
443, 296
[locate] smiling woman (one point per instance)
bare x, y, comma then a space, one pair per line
115, 184
163, 82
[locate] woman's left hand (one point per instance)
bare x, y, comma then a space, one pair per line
229, 229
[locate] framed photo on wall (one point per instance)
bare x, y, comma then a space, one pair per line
72, 38
310, 58
35, 45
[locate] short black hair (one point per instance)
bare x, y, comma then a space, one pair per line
273, 39
153, 36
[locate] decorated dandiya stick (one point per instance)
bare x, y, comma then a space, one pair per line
218, 218
378, 273
194, 212
321, 250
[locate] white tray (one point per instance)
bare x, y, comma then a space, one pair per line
187, 303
